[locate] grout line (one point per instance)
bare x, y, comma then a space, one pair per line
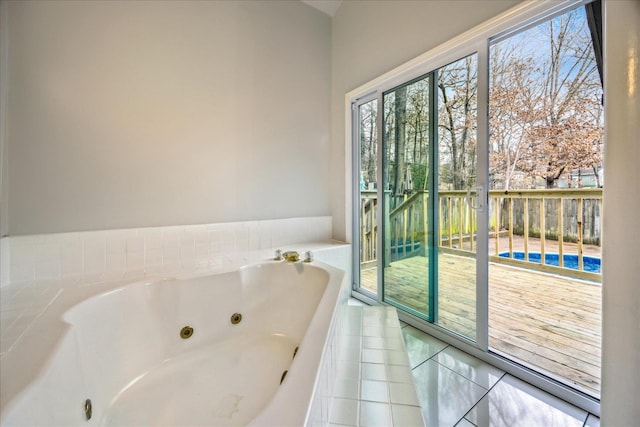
482, 397
431, 357
469, 379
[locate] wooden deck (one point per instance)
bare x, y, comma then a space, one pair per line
542, 320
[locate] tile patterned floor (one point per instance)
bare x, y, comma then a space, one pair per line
373, 383
456, 389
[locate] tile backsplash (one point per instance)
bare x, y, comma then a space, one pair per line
115, 254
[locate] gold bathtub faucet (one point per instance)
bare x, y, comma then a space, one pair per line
293, 256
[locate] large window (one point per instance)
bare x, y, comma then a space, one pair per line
480, 190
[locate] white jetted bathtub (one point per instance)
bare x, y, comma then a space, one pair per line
237, 348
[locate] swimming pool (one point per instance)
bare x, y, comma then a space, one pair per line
591, 264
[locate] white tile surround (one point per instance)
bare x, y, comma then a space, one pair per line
114, 254
38, 268
365, 378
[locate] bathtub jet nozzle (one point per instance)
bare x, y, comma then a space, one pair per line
236, 318
88, 409
186, 332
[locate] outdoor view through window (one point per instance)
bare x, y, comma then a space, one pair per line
545, 148
417, 223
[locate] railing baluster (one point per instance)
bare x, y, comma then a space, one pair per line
374, 230
525, 226
404, 228
386, 229
601, 220
560, 232
460, 219
372, 227
412, 226
363, 230
424, 218
543, 230
497, 226
510, 227
580, 222
470, 222
450, 208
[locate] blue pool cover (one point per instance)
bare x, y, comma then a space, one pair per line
590, 264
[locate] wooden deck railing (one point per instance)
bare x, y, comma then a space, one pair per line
405, 229
561, 217
368, 226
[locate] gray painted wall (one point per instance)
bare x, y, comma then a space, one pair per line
125, 114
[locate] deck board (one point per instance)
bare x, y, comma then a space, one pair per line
543, 320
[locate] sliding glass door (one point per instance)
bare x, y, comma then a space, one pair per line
480, 196
409, 255
545, 165
429, 202
458, 200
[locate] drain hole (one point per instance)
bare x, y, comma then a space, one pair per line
236, 318
284, 374
186, 332
295, 352
88, 409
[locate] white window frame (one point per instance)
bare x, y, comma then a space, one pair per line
477, 39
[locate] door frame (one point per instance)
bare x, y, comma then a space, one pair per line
472, 41
354, 125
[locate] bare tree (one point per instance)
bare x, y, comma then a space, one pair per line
564, 134
457, 110
544, 95
368, 141
400, 138
511, 100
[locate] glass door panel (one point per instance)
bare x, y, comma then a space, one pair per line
457, 162
545, 167
368, 173
407, 277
